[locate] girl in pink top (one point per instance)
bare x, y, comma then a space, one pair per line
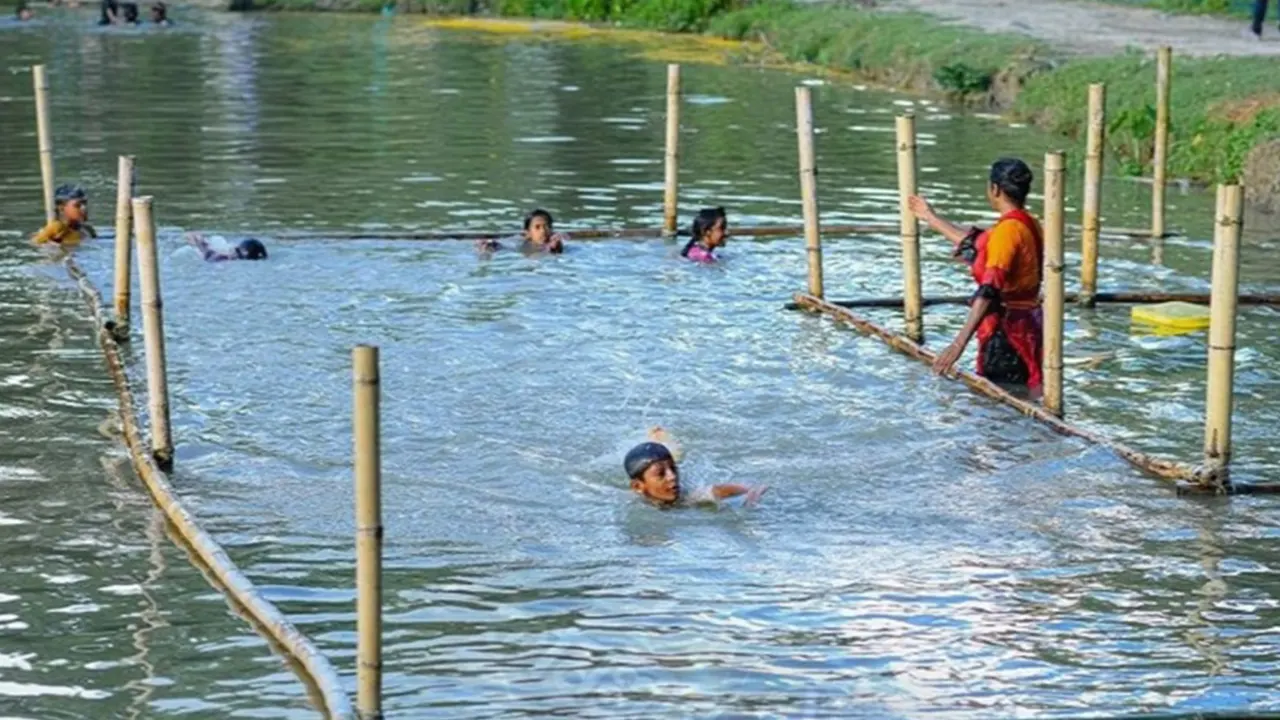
710, 231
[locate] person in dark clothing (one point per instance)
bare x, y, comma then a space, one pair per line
1260, 16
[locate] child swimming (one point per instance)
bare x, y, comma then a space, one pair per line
710, 230
72, 223
652, 468
247, 249
538, 236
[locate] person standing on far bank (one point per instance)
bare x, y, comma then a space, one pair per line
1260, 16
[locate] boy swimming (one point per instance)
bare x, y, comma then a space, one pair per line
538, 236
710, 230
247, 249
652, 468
72, 223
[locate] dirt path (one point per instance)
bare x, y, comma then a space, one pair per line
1095, 29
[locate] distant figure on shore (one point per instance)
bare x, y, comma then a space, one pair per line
1260, 16
23, 12
247, 249
710, 230
160, 15
539, 236
1005, 262
72, 221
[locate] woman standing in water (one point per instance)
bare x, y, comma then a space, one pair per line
1005, 262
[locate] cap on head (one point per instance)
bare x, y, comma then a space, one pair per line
251, 249
67, 193
644, 455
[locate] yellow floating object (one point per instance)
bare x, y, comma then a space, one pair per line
1175, 316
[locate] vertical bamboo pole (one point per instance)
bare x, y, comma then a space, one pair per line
1092, 194
368, 471
153, 333
124, 218
911, 293
809, 188
41, 82
1054, 306
669, 195
1222, 331
1160, 157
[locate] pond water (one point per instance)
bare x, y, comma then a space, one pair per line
920, 551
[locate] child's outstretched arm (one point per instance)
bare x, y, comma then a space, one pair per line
730, 490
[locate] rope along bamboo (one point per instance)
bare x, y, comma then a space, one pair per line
1166, 469
311, 665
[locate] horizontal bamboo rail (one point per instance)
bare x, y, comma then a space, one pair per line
1117, 298
588, 234
1159, 467
307, 660
629, 233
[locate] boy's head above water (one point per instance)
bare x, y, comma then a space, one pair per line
251, 249
653, 472
72, 204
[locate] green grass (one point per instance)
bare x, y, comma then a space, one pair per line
903, 49
1220, 108
1211, 132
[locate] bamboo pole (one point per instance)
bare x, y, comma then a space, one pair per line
153, 333
1222, 333
670, 188
913, 317
41, 82
306, 660
1116, 298
1054, 310
1160, 155
1092, 194
1166, 469
809, 188
124, 218
368, 475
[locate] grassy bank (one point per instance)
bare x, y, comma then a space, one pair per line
1221, 108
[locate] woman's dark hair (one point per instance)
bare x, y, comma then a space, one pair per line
702, 224
1013, 177
130, 13
528, 219
67, 193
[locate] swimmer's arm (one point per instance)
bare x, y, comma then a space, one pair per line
729, 490
209, 254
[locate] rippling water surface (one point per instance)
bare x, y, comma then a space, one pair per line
921, 551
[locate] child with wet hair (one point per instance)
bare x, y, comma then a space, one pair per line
709, 230
72, 221
247, 249
539, 236
652, 468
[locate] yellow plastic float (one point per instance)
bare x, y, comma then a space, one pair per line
1171, 318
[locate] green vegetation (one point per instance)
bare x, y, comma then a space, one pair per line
1221, 108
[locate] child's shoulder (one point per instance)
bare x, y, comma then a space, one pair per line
53, 231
